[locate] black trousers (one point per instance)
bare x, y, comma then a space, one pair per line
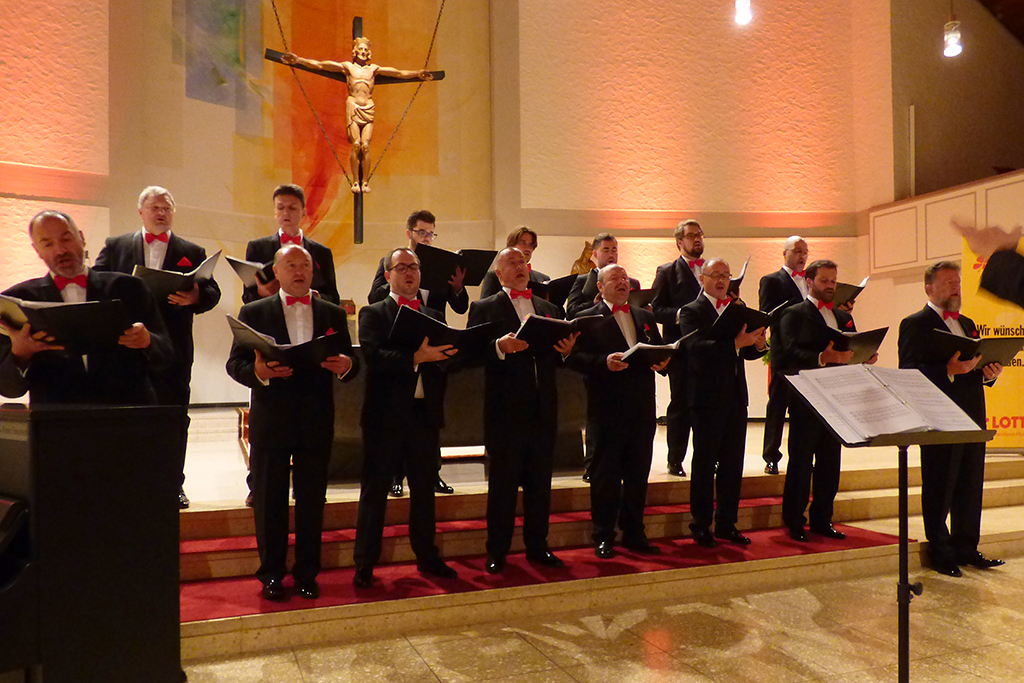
173, 388
618, 477
414, 442
677, 428
812, 450
269, 468
524, 460
719, 438
775, 418
952, 483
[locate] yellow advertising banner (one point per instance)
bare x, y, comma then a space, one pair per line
997, 318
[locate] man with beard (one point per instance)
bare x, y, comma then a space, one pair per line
621, 416
717, 396
584, 292
402, 414
675, 285
953, 475
520, 414
806, 331
156, 246
787, 285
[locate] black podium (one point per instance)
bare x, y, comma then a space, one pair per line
89, 588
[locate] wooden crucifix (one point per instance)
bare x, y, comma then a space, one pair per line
361, 75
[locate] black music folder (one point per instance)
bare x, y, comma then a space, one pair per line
734, 317
944, 345
735, 282
250, 271
555, 291
641, 298
165, 282
845, 292
84, 327
306, 355
650, 354
437, 266
412, 327
863, 344
541, 332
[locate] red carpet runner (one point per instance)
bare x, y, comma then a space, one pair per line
221, 598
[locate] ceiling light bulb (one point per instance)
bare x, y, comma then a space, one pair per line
743, 13
951, 39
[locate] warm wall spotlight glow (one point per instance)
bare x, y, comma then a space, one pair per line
951, 39
743, 13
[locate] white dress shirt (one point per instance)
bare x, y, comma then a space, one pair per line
155, 251
953, 324
826, 313
415, 368
298, 318
625, 322
719, 310
72, 294
524, 309
800, 282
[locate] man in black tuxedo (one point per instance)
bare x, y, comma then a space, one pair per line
584, 293
675, 285
402, 414
31, 361
156, 246
952, 476
289, 208
520, 414
788, 285
291, 421
525, 240
717, 397
419, 228
621, 415
1004, 266
807, 331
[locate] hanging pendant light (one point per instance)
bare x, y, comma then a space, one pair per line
951, 35
743, 13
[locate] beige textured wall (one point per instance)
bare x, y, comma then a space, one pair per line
968, 109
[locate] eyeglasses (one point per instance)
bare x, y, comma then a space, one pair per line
693, 235
425, 233
716, 276
403, 268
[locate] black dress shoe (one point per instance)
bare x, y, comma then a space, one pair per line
978, 560
248, 500
363, 577
702, 537
182, 500
495, 565
310, 590
771, 468
948, 569
586, 477
604, 550
441, 487
437, 567
828, 532
732, 535
798, 534
676, 470
396, 489
641, 546
274, 591
545, 558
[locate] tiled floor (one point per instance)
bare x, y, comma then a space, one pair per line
968, 629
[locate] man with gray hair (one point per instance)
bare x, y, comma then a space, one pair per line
788, 285
156, 246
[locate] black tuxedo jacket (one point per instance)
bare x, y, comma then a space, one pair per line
296, 411
437, 299
522, 386
122, 253
118, 376
584, 291
776, 289
1004, 276
262, 250
966, 390
674, 287
490, 285
717, 376
804, 335
390, 379
624, 395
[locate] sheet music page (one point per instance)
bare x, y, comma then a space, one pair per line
832, 415
938, 410
866, 403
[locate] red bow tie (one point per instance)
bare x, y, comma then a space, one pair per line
150, 237
822, 304
63, 282
695, 262
955, 315
722, 302
799, 273
525, 294
414, 304
287, 239
624, 308
289, 300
